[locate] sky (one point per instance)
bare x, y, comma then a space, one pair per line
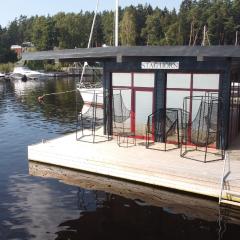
10, 9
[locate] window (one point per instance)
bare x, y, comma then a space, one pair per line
122, 79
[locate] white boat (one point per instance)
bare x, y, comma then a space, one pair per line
2, 75
20, 72
92, 95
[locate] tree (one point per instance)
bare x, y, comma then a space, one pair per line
153, 31
173, 36
139, 25
41, 33
108, 27
6, 55
141, 16
25, 29
184, 21
13, 34
128, 32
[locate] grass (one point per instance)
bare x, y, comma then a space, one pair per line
6, 67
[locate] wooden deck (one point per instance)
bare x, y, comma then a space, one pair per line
136, 163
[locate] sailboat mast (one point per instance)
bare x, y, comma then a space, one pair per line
89, 41
116, 23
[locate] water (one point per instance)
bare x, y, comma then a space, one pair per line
43, 208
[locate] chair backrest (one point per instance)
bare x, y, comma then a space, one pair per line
162, 123
120, 113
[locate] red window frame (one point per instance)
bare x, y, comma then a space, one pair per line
191, 90
133, 99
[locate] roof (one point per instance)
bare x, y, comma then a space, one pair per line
104, 53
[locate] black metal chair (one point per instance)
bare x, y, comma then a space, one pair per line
120, 115
91, 118
205, 129
161, 125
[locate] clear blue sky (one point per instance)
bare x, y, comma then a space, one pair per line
10, 9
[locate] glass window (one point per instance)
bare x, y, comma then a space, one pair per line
175, 98
122, 79
144, 103
178, 80
144, 80
126, 103
206, 81
197, 101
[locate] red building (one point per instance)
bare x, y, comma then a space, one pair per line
17, 49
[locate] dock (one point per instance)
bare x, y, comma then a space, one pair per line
138, 164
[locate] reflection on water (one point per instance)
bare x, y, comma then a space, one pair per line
84, 207
113, 209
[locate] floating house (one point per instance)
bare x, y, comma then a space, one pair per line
177, 95
152, 78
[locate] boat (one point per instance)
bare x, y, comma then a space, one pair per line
2, 75
92, 95
25, 73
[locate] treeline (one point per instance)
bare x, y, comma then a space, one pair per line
139, 25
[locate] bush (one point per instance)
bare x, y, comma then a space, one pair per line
6, 67
47, 66
52, 67
35, 65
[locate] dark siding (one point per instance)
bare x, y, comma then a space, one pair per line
224, 94
160, 93
107, 101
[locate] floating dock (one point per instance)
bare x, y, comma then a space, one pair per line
138, 164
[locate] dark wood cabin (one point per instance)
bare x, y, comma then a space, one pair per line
153, 78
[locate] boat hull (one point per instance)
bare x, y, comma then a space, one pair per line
92, 95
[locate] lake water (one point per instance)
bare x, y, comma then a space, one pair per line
41, 208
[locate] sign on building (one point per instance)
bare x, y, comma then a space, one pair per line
160, 65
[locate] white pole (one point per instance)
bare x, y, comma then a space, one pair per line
116, 23
93, 24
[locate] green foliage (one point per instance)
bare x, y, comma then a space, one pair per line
173, 36
153, 31
48, 67
128, 32
42, 32
7, 55
6, 67
108, 27
35, 65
